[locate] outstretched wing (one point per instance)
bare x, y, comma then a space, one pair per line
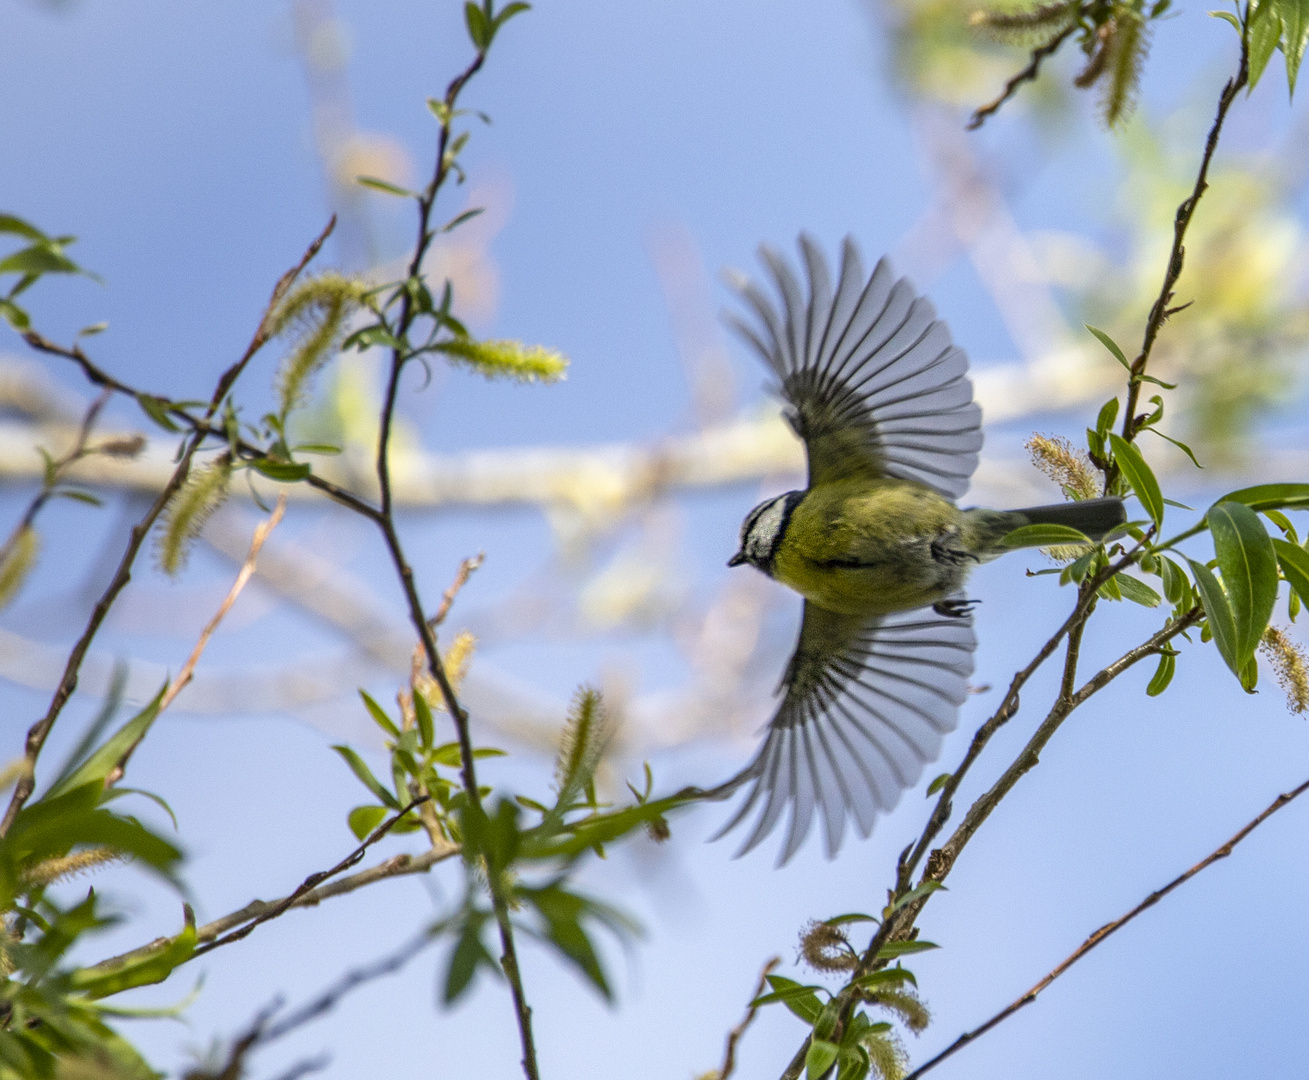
866, 703
875, 386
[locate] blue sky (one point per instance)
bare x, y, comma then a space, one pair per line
175, 140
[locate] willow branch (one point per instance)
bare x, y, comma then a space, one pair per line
1028, 74
396, 866
312, 882
734, 1036
1160, 310
1111, 928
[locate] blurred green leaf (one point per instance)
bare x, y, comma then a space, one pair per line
1249, 565
364, 819
1295, 32
1044, 536
820, 1057
385, 187
366, 776
915, 894
904, 948
379, 715
104, 760
478, 28
18, 227
157, 410
423, 715
284, 472
469, 954
1140, 476
40, 258
1265, 31
563, 914
126, 974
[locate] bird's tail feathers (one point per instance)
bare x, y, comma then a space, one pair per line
1094, 517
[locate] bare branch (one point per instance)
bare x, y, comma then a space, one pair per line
1110, 928
734, 1036
1028, 74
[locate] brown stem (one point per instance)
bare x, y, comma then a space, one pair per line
734, 1036
1028, 74
396, 866
1159, 311
1108, 929
39, 731
312, 881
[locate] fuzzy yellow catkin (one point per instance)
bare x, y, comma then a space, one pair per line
1127, 47
202, 494
51, 870
508, 359
911, 1010
582, 742
16, 562
455, 661
1289, 665
887, 1056
1025, 25
1065, 464
824, 948
315, 313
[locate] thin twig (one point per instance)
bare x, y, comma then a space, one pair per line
1028, 74
312, 881
176, 686
386, 522
247, 570
396, 866
1160, 309
40, 731
37, 734
734, 1036
466, 569
1110, 928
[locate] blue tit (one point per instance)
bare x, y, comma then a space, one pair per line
875, 543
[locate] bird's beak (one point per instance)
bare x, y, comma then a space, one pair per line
737, 559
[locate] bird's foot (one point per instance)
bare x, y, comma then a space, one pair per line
945, 550
954, 609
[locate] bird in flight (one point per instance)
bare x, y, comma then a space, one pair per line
875, 543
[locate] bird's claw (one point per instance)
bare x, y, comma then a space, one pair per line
954, 609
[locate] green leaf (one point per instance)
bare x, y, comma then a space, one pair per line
15, 316
1180, 445
1271, 496
458, 220
1295, 33
805, 1005
1228, 17
42, 258
101, 763
1264, 33
508, 12
1140, 476
467, 956
1219, 615
1294, 561
1109, 344
1163, 674
77, 496
366, 777
904, 948
383, 186
478, 28
915, 894
1044, 536
1249, 566
284, 472
785, 993
124, 975
118, 791
1108, 414
1176, 586
315, 448
364, 819
937, 784
888, 977
423, 714
820, 1057
157, 409
563, 913
852, 917
379, 715
18, 227
1137, 591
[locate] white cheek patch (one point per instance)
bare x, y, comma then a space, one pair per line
765, 530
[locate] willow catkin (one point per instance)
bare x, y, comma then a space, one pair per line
202, 494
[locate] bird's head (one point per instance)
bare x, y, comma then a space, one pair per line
763, 530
